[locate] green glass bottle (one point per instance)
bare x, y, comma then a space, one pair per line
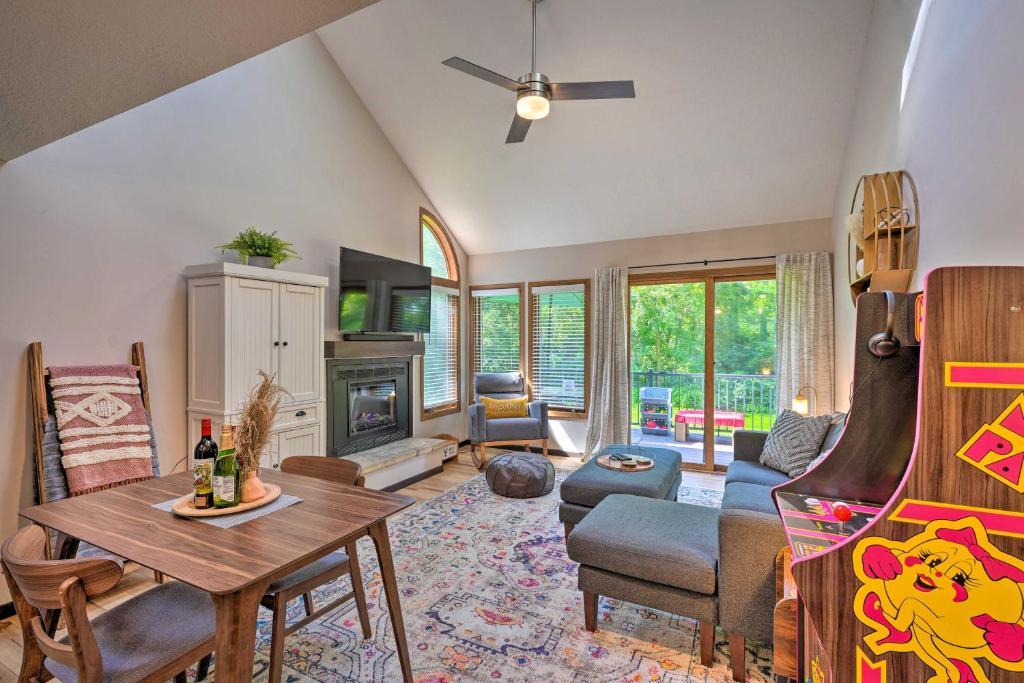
225, 471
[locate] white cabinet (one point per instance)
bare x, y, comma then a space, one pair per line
242, 320
299, 441
300, 331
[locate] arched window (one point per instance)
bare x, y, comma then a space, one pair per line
439, 386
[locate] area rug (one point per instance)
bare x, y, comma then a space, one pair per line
488, 594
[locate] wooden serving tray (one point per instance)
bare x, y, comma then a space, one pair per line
609, 464
183, 507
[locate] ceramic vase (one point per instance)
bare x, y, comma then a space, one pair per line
252, 488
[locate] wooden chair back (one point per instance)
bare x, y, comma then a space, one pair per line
337, 470
38, 584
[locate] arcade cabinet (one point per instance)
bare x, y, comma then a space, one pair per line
909, 562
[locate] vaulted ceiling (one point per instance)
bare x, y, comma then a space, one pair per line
741, 113
67, 65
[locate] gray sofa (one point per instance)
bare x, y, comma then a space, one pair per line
523, 431
750, 535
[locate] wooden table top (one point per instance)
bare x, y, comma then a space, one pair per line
122, 521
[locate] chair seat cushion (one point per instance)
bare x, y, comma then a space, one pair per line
148, 632
336, 561
591, 483
674, 544
754, 473
513, 429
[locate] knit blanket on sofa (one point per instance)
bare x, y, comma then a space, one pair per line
101, 422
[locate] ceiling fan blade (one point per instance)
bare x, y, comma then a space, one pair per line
520, 127
480, 72
593, 90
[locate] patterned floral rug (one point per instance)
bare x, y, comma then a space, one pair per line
489, 594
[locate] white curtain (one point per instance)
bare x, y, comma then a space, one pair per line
608, 414
805, 329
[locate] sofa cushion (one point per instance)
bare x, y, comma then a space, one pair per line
835, 430
753, 473
794, 441
754, 497
591, 483
661, 541
513, 429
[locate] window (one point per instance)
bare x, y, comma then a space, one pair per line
439, 376
497, 328
559, 346
441, 357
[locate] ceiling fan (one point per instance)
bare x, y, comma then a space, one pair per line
534, 91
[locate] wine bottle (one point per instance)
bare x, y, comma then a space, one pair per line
225, 471
202, 467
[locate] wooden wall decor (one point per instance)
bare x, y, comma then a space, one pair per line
929, 586
884, 233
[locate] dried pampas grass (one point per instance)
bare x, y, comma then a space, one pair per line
259, 410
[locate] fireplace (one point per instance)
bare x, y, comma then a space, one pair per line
367, 403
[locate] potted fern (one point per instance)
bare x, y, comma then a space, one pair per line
261, 249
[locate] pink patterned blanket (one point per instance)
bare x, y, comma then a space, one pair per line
101, 422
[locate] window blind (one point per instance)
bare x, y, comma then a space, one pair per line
496, 330
558, 345
441, 355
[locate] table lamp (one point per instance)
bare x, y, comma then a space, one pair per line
804, 399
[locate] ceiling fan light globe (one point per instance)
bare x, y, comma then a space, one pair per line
532, 106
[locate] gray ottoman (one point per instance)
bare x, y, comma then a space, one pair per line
657, 553
588, 486
521, 475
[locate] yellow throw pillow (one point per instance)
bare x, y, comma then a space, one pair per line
499, 408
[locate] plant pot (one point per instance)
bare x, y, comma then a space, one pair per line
251, 488
261, 261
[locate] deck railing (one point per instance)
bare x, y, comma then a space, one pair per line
752, 395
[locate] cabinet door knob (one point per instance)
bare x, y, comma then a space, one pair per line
301, 413
284, 343
277, 343
275, 465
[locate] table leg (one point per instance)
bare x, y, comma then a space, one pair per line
379, 534
236, 632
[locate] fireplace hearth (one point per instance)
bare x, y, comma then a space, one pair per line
367, 403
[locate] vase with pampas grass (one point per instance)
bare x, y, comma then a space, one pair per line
252, 434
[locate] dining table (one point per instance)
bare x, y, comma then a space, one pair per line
235, 565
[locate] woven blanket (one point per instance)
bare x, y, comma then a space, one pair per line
101, 422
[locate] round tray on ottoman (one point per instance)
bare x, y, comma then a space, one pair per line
521, 475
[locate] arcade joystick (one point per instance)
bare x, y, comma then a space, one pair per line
842, 512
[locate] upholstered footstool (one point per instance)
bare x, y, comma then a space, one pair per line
657, 553
521, 475
588, 486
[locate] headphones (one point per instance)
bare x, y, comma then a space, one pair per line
885, 344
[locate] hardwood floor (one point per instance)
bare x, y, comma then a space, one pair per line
455, 472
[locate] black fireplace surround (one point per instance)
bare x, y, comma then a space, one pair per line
367, 403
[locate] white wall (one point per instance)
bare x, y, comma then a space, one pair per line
581, 260
960, 134
98, 227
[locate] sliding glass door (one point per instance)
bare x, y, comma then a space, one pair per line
703, 356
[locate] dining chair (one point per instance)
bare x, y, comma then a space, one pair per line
152, 637
316, 574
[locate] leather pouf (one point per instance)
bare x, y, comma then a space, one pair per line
521, 475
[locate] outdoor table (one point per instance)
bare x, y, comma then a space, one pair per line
722, 418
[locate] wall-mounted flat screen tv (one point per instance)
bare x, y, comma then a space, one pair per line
380, 294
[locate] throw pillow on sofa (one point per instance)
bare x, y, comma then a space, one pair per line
794, 441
